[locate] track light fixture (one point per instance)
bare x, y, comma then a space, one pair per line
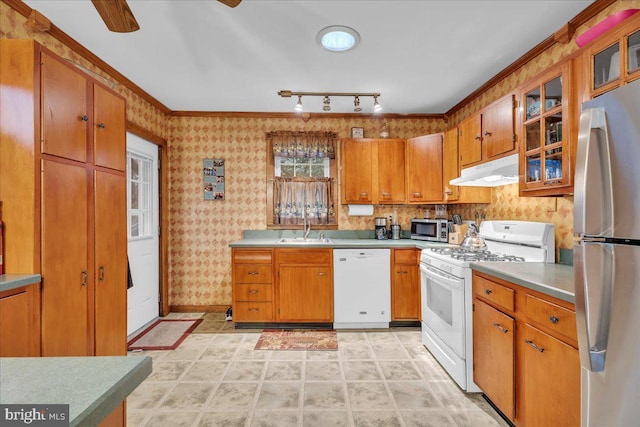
326, 100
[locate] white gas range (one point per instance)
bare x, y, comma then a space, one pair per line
447, 292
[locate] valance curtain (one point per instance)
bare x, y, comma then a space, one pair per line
303, 144
293, 195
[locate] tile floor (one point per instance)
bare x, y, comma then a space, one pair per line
375, 379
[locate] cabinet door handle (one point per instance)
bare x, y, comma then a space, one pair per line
252, 273
101, 273
488, 291
477, 138
102, 125
322, 273
84, 118
254, 309
253, 291
417, 194
487, 133
532, 344
364, 195
553, 319
403, 272
497, 325
84, 278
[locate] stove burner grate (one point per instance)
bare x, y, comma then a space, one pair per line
484, 255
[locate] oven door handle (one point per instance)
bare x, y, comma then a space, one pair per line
452, 282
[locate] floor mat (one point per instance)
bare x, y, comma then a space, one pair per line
281, 339
164, 334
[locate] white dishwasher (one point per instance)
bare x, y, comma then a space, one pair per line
361, 288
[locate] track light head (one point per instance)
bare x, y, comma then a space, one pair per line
356, 104
326, 101
376, 106
299, 104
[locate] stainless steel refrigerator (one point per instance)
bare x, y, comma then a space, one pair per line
607, 257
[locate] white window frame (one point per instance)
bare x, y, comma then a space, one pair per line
145, 183
326, 163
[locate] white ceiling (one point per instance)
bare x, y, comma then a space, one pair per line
422, 56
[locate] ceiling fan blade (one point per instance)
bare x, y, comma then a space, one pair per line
230, 3
116, 15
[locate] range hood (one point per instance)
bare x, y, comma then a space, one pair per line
502, 171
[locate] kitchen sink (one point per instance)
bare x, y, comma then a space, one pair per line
303, 241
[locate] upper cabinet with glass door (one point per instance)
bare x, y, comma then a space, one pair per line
546, 152
613, 59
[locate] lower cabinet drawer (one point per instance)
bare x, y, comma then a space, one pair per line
252, 273
554, 317
494, 292
245, 311
253, 292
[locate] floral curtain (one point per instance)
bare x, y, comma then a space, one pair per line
303, 144
292, 197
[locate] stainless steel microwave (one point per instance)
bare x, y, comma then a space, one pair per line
435, 230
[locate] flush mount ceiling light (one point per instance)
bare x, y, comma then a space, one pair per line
338, 38
326, 101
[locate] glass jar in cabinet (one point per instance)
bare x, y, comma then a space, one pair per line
544, 114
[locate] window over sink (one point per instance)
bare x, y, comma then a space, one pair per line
300, 183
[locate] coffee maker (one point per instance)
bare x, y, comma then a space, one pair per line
381, 228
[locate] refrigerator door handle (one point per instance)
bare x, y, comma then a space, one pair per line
594, 277
593, 207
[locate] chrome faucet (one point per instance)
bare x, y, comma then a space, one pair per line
306, 223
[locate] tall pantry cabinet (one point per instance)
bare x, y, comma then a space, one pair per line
63, 188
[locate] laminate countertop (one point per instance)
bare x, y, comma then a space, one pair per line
13, 281
555, 280
92, 386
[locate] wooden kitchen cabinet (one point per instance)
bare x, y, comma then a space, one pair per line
470, 133
494, 355
423, 160
252, 281
613, 59
545, 378
405, 285
547, 120
451, 170
64, 103
304, 285
550, 380
65, 209
489, 134
373, 171
20, 321
109, 140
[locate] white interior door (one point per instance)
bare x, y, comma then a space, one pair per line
142, 223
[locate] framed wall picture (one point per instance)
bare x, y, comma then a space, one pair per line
357, 132
213, 173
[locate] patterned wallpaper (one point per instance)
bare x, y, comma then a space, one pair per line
199, 233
